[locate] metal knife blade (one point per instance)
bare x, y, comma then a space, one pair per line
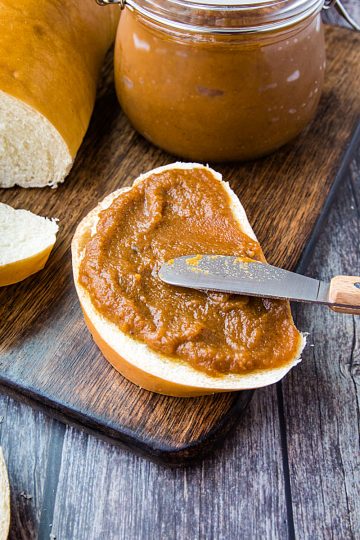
236, 276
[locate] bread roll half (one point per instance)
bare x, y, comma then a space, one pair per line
51, 55
133, 358
26, 242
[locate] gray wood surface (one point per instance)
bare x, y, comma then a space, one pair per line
321, 396
290, 469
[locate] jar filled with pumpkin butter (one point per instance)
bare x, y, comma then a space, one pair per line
220, 81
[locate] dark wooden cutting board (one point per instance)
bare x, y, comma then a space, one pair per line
47, 355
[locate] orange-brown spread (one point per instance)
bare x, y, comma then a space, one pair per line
169, 214
219, 97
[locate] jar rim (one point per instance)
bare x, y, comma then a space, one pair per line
230, 17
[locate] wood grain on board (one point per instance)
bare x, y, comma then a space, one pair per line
47, 355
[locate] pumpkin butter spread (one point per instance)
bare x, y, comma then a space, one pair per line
172, 213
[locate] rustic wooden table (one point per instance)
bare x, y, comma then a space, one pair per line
290, 469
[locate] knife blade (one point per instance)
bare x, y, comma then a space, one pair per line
238, 276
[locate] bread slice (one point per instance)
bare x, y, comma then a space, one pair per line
4, 499
133, 358
51, 56
25, 243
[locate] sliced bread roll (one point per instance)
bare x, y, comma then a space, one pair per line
51, 55
4, 499
133, 358
26, 241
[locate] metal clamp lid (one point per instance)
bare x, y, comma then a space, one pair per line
327, 5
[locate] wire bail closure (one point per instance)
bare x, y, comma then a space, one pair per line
337, 4
120, 3
327, 5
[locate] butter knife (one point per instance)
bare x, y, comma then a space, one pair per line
251, 278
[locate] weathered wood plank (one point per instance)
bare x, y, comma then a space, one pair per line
238, 493
27, 438
322, 395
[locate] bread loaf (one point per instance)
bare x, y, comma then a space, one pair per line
51, 55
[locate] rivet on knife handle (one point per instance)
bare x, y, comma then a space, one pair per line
345, 290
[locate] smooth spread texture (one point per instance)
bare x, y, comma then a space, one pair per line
169, 214
216, 97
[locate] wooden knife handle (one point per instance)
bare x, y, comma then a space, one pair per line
345, 290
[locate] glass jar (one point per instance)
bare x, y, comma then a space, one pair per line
215, 82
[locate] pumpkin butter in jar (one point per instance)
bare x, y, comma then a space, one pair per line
216, 81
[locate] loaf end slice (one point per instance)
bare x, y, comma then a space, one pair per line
32, 151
